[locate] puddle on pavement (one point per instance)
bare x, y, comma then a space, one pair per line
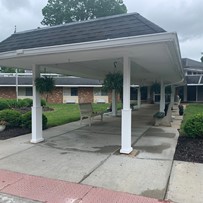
107, 149
157, 194
166, 135
156, 149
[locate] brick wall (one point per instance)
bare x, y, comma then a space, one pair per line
110, 97
85, 95
56, 97
8, 92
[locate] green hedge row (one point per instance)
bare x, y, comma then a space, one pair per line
194, 126
13, 103
14, 119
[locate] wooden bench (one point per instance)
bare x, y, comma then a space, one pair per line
86, 111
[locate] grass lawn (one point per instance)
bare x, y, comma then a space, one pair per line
191, 109
66, 113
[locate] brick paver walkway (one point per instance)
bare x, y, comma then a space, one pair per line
57, 191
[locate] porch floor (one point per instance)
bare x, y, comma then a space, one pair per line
88, 157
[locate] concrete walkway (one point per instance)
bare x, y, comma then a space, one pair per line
89, 156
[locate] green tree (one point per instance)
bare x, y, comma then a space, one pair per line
10, 70
58, 12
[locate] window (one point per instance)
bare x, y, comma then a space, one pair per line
99, 92
28, 91
74, 91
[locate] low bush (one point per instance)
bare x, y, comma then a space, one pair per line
12, 117
28, 102
3, 104
43, 102
12, 103
194, 126
22, 103
27, 120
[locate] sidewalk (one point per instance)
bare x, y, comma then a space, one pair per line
89, 158
55, 191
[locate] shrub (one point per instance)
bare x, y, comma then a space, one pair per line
43, 102
12, 117
28, 102
3, 104
27, 120
12, 103
22, 103
194, 126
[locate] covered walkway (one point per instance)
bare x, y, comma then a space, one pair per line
90, 155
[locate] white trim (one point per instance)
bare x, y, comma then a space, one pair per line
55, 86
102, 44
195, 84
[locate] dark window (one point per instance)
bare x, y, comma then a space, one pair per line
133, 93
143, 93
191, 93
99, 92
28, 91
103, 93
74, 91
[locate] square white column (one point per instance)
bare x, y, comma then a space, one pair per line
114, 103
148, 93
36, 109
172, 95
126, 111
138, 97
162, 97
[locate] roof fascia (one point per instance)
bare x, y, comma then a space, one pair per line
93, 45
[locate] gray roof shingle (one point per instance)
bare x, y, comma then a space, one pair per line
118, 26
189, 63
59, 81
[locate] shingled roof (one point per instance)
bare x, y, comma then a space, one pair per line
59, 81
189, 63
118, 26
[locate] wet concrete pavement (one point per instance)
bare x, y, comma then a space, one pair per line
90, 155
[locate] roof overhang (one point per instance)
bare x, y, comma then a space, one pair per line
153, 57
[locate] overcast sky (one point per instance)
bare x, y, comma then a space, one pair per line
181, 16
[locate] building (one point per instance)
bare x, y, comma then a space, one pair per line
193, 90
67, 89
75, 90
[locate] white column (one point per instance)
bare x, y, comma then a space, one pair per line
172, 95
185, 93
138, 97
36, 109
114, 103
162, 97
148, 93
126, 111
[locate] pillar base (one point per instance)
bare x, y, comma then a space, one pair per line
37, 135
126, 150
37, 141
126, 132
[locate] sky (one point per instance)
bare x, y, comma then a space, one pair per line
181, 16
